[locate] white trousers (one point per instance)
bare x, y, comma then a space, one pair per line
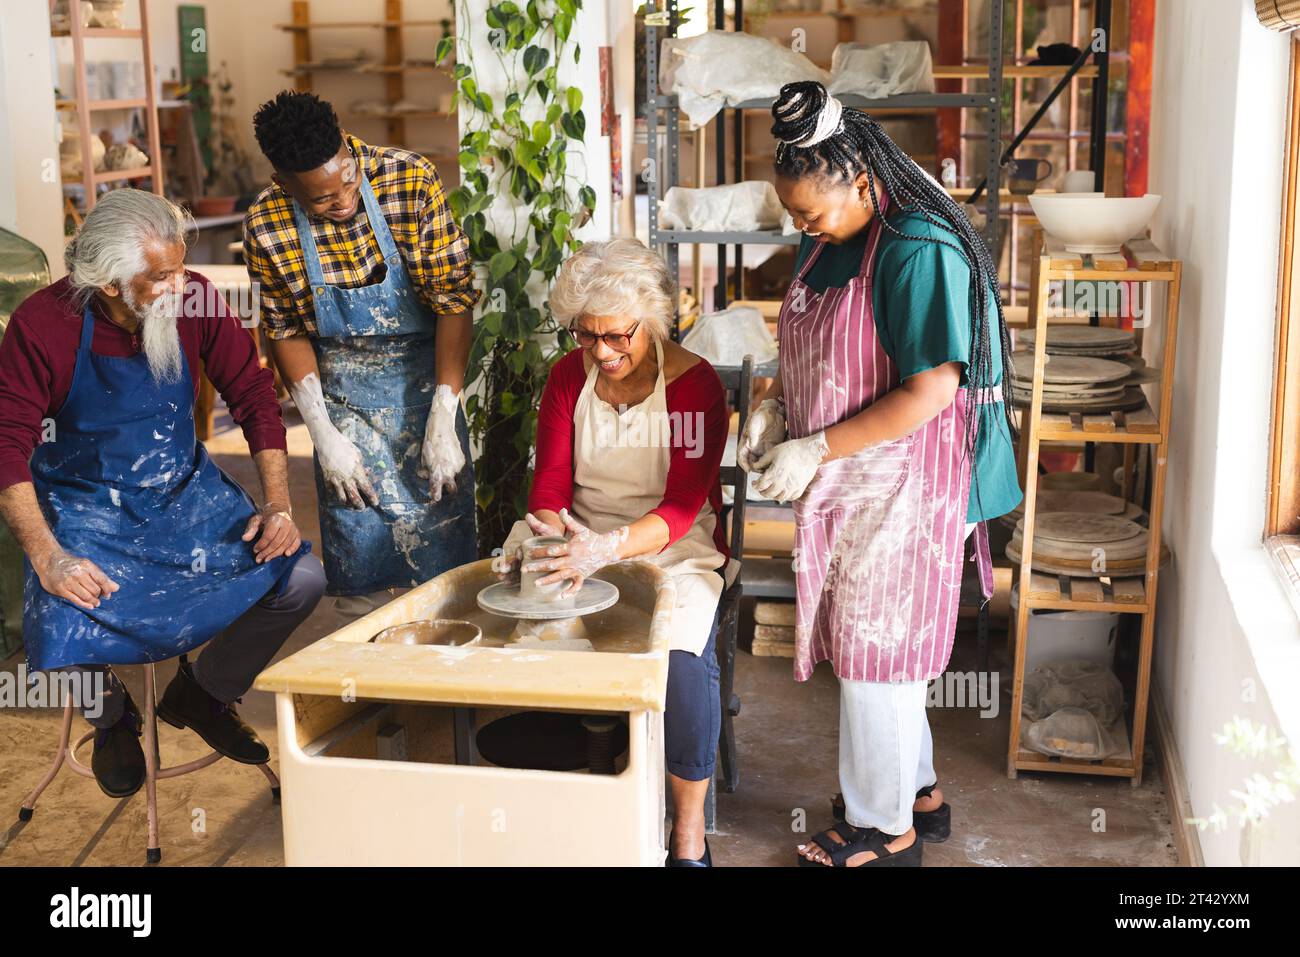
886, 750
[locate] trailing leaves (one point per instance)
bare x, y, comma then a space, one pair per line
520, 153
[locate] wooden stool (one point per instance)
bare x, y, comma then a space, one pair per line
153, 773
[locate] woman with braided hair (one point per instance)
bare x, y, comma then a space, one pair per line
887, 428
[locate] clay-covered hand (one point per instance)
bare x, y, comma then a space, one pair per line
279, 533
341, 465
585, 553
506, 565
441, 457
788, 469
764, 429
77, 579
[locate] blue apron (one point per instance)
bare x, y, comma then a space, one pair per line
375, 350
125, 483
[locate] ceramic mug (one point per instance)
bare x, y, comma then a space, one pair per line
1078, 181
1022, 176
529, 589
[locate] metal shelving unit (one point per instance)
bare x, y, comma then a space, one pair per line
663, 23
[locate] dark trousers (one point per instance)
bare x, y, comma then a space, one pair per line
234, 657
693, 711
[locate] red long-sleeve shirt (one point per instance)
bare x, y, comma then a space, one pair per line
39, 352
692, 479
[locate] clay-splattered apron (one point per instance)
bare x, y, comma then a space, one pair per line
375, 350
124, 483
619, 474
879, 535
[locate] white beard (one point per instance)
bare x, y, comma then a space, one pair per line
159, 335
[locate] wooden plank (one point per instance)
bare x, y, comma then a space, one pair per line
1086, 589
1044, 587
1148, 256
1058, 257
1098, 423
1141, 420
1113, 261
1129, 591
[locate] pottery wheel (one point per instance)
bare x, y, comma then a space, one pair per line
1080, 370
503, 599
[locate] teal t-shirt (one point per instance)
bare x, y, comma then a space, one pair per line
920, 297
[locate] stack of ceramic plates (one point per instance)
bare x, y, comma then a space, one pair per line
1074, 383
1100, 342
1084, 545
1087, 502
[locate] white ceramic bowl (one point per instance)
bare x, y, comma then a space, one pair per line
1087, 223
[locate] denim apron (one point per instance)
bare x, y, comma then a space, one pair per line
125, 483
375, 351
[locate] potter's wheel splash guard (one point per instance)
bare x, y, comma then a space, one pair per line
503, 599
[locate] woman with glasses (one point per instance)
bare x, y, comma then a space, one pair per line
630, 434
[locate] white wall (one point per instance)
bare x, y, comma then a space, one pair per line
1228, 642
31, 201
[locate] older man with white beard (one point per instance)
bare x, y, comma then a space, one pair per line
138, 547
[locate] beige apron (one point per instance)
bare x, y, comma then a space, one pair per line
619, 474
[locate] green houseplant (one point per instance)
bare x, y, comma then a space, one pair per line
515, 151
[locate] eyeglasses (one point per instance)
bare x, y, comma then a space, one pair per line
618, 341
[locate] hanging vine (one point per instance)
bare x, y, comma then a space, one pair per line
517, 148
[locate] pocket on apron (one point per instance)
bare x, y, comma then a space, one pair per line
862, 480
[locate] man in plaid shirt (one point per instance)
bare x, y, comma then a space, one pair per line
361, 271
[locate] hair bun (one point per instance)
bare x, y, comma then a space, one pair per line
805, 114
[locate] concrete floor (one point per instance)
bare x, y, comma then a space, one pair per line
787, 740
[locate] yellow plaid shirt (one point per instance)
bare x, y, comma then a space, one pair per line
410, 195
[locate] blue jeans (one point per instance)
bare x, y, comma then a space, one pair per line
693, 711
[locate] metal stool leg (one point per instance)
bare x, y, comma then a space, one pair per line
275, 781
28, 807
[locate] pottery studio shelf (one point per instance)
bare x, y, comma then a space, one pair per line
1140, 261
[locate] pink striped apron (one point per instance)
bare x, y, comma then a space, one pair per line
879, 535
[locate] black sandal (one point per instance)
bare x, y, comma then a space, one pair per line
933, 827
858, 840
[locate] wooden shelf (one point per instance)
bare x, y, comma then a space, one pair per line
118, 175
380, 69
101, 33
358, 24
1139, 426
100, 106
1113, 767
1132, 594
1063, 593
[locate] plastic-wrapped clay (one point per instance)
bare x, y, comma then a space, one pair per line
750, 205
720, 68
1088, 685
880, 70
725, 338
1070, 733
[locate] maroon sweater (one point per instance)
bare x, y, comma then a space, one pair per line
39, 352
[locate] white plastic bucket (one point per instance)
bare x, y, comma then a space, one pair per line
1068, 635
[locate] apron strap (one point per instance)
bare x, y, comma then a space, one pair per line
378, 224
873, 238
87, 331
984, 560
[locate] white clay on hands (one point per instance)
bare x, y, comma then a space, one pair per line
790, 467
77, 579
764, 429
341, 465
585, 553
441, 457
